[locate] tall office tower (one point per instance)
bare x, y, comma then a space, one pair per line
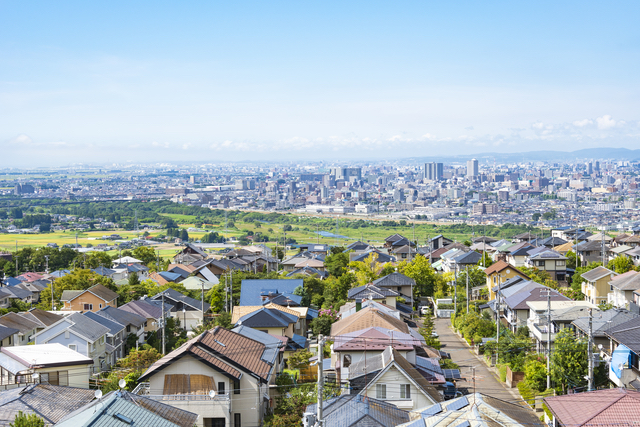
472, 168
597, 168
433, 171
589, 168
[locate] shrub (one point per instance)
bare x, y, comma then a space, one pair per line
502, 370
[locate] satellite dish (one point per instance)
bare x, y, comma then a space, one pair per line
212, 393
98, 394
122, 383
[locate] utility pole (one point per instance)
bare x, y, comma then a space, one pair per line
16, 257
455, 290
548, 338
467, 295
46, 258
163, 326
603, 251
320, 378
590, 351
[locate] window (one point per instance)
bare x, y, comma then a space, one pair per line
100, 306
102, 340
236, 386
381, 391
88, 307
55, 378
221, 387
405, 391
73, 347
346, 361
236, 420
128, 328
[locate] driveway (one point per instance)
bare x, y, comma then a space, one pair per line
486, 382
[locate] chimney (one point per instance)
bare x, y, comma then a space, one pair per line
358, 304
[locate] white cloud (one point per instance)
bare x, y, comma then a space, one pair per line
469, 128
605, 122
21, 139
160, 144
537, 125
186, 146
583, 123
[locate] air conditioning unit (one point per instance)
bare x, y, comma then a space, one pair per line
309, 419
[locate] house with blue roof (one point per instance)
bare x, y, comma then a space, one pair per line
259, 291
270, 321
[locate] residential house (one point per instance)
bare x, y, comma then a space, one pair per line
352, 351
35, 287
133, 323
123, 408
500, 272
7, 336
236, 368
393, 379
103, 271
81, 334
299, 327
375, 255
396, 241
257, 292
164, 277
595, 284
589, 251
514, 308
114, 348
44, 319
49, 402
189, 254
189, 311
405, 253
151, 311
10, 293
550, 261
601, 322
517, 255
351, 410
55, 364
92, 299
26, 328
624, 348
398, 282
563, 313
124, 270
622, 288
597, 408
476, 409
372, 292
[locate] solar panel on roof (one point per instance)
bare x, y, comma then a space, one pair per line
432, 410
458, 404
453, 374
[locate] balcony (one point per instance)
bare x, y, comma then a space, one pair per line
142, 389
540, 331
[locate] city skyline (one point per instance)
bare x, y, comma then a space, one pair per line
88, 83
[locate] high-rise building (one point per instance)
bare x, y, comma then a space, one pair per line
472, 168
433, 171
589, 168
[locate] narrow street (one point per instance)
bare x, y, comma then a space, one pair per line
486, 381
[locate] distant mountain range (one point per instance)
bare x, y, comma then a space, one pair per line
541, 156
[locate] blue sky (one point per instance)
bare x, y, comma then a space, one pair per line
207, 81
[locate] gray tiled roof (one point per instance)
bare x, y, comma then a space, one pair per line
351, 410
143, 412
627, 333
86, 327
47, 401
604, 321
114, 327
121, 316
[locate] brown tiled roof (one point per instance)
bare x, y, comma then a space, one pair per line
618, 406
103, 292
158, 279
189, 268
239, 349
365, 318
501, 265
42, 316
15, 321
222, 349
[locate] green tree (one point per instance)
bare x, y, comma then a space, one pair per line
485, 261
536, 216
571, 260
300, 359
336, 264
97, 259
569, 363
27, 420
620, 264
425, 276
366, 271
535, 372
80, 279
145, 254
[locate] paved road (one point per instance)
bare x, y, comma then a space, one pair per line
486, 381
